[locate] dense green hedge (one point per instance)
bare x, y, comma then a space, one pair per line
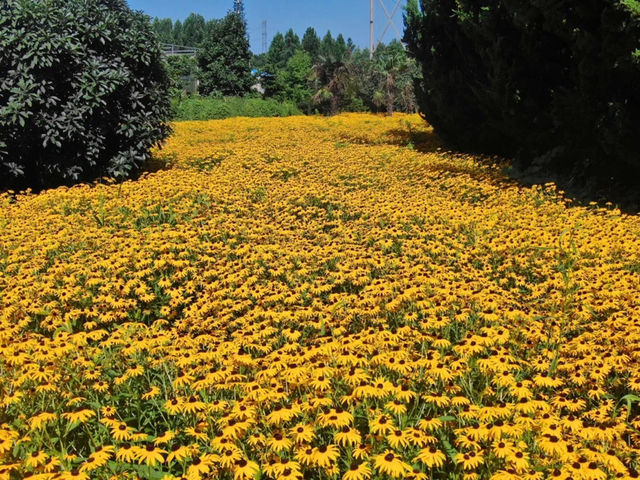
555, 82
83, 92
206, 108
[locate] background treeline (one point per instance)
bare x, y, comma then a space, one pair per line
316, 75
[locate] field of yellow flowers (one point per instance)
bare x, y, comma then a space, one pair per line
317, 298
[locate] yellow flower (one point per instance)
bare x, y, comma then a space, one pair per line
381, 425
151, 393
357, 472
389, 463
173, 406
245, 470
80, 416
36, 459
41, 420
348, 436
179, 453
149, 455
325, 455
120, 431
165, 438
469, 461
397, 439
431, 457
103, 453
302, 433
279, 443
336, 418
126, 453
229, 457
73, 475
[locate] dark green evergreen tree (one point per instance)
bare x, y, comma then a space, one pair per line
225, 59
177, 33
193, 30
340, 46
311, 43
277, 53
555, 82
327, 46
163, 27
291, 44
275, 61
238, 9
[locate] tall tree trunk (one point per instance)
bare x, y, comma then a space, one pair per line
390, 83
334, 104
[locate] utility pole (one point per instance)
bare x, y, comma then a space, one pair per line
371, 38
264, 36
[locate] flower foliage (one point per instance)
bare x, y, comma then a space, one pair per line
311, 298
83, 92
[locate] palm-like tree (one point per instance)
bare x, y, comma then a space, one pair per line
391, 64
333, 79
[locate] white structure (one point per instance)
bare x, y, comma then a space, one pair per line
389, 23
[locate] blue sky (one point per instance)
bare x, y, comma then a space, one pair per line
349, 17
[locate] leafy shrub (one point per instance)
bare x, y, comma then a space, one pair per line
539, 79
209, 108
182, 71
82, 91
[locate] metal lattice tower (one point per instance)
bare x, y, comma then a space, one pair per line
390, 22
264, 36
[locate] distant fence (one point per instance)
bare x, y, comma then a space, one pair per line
170, 50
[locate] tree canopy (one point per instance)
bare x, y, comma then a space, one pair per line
553, 83
91, 100
225, 59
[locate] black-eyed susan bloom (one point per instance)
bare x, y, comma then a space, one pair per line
179, 453
35, 459
469, 460
348, 436
149, 455
357, 471
431, 457
245, 469
391, 464
121, 432
229, 457
302, 433
279, 443
126, 453
381, 425
324, 455
305, 455
79, 416
74, 474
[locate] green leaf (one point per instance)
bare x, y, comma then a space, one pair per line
448, 448
447, 418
